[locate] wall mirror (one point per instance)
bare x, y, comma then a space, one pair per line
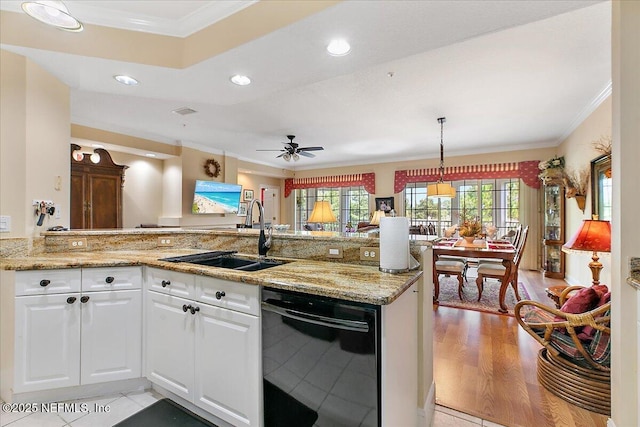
601, 187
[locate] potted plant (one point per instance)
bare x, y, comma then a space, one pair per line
469, 229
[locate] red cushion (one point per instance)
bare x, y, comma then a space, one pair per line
584, 300
600, 289
588, 332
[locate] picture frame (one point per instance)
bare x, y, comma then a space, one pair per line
248, 195
242, 209
601, 187
384, 204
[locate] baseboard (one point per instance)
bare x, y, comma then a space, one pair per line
83, 391
610, 423
572, 281
425, 414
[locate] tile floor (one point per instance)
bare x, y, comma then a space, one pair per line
122, 406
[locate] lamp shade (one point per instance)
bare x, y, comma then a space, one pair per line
322, 213
375, 220
441, 189
593, 236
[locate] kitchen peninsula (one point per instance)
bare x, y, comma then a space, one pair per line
305, 270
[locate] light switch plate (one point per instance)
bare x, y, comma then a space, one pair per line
334, 252
5, 224
370, 253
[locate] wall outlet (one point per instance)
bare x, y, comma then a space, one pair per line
5, 224
369, 253
165, 241
334, 252
78, 243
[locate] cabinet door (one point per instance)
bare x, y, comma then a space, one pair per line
47, 342
44, 282
169, 349
111, 336
228, 360
226, 294
170, 282
105, 201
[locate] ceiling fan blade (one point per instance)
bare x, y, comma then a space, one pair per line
280, 155
304, 153
310, 148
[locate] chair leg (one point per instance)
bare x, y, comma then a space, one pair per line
460, 282
514, 285
480, 284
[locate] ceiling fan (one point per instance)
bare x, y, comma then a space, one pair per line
291, 150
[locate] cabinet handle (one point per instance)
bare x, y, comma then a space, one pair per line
45, 282
166, 283
71, 300
186, 307
220, 294
109, 279
194, 309
84, 299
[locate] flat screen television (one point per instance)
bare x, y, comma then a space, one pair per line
212, 197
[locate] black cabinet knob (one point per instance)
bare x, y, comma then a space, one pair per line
71, 300
166, 283
194, 309
186, 307
109, 279
45, 282
220, 294
84, 299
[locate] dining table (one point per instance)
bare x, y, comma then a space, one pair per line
479, 249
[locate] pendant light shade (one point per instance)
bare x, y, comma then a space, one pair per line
441, 189
53, 13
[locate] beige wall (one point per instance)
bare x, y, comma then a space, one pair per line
625, 308
35, 144
578, 152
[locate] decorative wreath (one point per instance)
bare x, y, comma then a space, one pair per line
212, 168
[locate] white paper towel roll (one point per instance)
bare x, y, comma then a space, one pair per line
394, 244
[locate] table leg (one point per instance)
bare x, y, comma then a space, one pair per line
436, 282
505, 284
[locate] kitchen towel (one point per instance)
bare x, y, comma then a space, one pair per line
394, 244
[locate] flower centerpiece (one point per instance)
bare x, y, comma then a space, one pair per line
552, 171
470, 228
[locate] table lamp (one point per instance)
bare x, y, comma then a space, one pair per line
322, 213
593, 236
375, 220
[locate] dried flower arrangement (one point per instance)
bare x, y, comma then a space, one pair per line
603, 145
576, 182
552, 171
470, 227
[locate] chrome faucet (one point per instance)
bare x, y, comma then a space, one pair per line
264, 243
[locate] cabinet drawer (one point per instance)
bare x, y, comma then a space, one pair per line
111, 278
44, 282
232, 295
171, 282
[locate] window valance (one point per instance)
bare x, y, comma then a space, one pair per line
367, 180
527, 171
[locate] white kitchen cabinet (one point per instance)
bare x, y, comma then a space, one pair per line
72, 338
206, 353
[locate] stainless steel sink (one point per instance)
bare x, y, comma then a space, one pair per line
225, 259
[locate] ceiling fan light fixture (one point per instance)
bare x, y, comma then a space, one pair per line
338, 47
53, 13
295, 157
240, 80
286, 156
126, 80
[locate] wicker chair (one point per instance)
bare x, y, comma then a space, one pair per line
572, 365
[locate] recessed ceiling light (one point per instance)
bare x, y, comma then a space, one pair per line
150, 155
240, 80
97, 145
53, 13
338, 47
125, 80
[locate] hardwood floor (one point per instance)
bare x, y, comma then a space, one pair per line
485, 365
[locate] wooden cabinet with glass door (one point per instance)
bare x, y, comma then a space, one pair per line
553, 238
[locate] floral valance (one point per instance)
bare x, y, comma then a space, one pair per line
367, 180
527, 171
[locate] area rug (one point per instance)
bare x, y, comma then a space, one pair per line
489, 302
165, 413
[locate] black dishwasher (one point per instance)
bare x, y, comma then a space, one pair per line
321, 361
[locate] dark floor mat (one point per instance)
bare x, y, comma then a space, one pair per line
165, 413
282, 410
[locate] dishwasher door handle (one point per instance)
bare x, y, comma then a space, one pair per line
331, 322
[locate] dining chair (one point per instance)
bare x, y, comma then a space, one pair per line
497, 270
450, 267
517, 233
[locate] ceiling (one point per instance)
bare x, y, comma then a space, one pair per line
507, 75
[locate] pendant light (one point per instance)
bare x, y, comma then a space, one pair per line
441, 189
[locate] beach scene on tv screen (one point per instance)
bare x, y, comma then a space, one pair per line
212, 197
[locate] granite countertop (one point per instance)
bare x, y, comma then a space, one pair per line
344, 281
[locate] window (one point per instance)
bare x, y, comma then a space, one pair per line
349, 205
495, 201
